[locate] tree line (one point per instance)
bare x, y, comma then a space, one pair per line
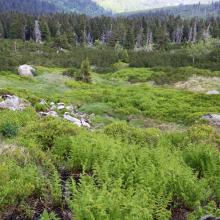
138, 33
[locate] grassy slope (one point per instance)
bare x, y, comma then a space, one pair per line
125, 171
110, 97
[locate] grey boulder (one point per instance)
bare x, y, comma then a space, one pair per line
26, 70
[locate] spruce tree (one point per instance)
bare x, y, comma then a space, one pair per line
1, 30
45, 31
129, 40
86, 71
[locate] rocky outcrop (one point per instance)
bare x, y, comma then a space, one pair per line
72, 114
26, 70
80, 119
12, 102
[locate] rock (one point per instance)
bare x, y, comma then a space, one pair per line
70, 108
26, 70
72, 119
43, 102
60, 106
212, 118
13, 103
213, 92
85, 124
50, 113
208, 217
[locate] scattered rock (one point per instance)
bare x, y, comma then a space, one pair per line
13, 103
26, 70
212, 118
70, 108
213, 92
60, 106
43, 102
208, 217
50, 113
72, 119
85, 124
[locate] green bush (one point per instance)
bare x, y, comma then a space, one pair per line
9, 130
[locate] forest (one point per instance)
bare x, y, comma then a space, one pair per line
105, 118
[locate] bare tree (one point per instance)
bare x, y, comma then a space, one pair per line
206, 34
149, 41
194, 33
178, 35
139, 40
190, 36
37, 32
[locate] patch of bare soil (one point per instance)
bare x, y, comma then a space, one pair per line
199, 84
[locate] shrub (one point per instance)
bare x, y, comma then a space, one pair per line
9, 129
73, 73
45, 132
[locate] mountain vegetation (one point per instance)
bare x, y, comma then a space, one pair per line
108, 117
185, 11
52, 6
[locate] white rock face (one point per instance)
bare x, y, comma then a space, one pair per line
13, 103
26, 70
213, 92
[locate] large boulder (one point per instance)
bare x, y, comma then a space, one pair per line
26, 70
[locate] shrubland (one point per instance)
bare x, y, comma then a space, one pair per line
127, 166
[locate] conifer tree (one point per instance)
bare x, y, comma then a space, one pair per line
45, 31
129, 41
86, 71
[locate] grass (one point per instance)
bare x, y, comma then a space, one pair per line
138, 164
108, 97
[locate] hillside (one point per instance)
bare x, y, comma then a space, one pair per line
185, 11
131, 5
52, 6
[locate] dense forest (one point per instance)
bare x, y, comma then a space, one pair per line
185, 11
139, 32
45, 6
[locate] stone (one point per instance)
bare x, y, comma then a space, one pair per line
43, 102
213, 92
208, 217
85, 124
70, 108
212, 118
13, 103
50, 113
72, 119
26, 70
60, 106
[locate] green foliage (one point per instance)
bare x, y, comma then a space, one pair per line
9, 130
133, 135
44, 132
48, 216
85, 71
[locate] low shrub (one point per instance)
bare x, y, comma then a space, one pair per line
9, 130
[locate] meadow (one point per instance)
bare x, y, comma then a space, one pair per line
149, 156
